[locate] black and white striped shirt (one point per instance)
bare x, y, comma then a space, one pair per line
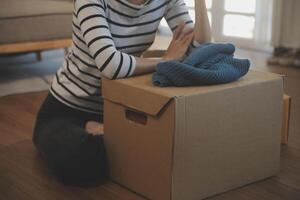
106, 35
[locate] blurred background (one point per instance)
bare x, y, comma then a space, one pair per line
254, 24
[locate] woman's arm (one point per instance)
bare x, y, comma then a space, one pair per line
114, 64
146, 65
202, 28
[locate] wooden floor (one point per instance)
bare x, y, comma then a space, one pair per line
23, 175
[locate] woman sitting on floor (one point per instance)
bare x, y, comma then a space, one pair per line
109, 36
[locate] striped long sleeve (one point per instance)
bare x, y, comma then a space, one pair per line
176, 13
94, 27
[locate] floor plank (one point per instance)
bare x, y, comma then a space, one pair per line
23, 175
17, 116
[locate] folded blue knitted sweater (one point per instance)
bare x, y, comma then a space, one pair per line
209, 64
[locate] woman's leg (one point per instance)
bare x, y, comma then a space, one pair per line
72, 154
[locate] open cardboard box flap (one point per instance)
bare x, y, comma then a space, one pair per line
126, 91
151, 99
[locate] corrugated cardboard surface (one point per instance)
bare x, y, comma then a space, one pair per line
142, 85
140, 156
226, 139
198, 141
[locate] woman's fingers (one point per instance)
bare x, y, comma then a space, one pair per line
179, 30
185, 33
188, 39
182, 37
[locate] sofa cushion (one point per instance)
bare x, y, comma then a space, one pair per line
35, 20
26, 8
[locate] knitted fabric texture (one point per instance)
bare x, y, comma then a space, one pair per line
209, 64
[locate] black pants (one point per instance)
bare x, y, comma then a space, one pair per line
72, 154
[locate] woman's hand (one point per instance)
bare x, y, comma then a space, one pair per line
202, 26
182, 38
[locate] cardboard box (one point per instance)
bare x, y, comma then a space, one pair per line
285, 119
194, 142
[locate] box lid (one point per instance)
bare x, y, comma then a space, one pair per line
140, 94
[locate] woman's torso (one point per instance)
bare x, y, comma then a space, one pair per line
133, 29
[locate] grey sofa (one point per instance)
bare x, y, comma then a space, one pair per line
35, 25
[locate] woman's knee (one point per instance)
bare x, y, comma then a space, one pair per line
72, 154
84, 162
